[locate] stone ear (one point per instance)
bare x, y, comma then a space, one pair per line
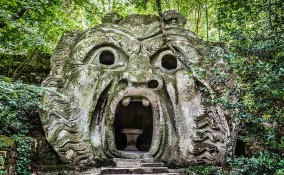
113, 18
59, 57
62, 51
174, 17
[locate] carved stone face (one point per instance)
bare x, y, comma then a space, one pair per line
122, 75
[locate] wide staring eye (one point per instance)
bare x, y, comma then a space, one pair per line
166, 62
107, 58
169, 62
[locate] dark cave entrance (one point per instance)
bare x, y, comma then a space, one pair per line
133, 119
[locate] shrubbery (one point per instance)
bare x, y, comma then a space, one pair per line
254, 32
18, 106
18, 116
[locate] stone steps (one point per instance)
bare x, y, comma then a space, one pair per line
145, 160
136, 166
148, 174
138, 170
159, 164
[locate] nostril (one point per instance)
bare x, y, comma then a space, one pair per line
153, 84
123, 82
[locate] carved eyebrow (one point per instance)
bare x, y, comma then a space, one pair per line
152, 48
93, 50
158, 51
81, 52
105, 36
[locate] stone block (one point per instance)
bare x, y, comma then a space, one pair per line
4, 154
134, 170
159, 164
127, 164
145, 160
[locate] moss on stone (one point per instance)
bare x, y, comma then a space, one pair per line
6, 142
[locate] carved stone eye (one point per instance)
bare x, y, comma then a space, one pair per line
166, 62
107, 58
169, 62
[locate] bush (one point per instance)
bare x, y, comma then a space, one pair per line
18, 106
18, 116
265, 164
204, 170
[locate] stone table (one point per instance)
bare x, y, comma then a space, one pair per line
132, 135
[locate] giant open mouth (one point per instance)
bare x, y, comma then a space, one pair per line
133, 118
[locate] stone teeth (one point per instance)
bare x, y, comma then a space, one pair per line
145, 102
126, 101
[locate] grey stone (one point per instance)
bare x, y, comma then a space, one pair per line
141, 170
127, 164
122, 74
150, 174
159, 164
145, 160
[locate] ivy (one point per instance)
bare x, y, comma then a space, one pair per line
18, 116
204, 170
23, 154
266, 163
252, 30
18, 106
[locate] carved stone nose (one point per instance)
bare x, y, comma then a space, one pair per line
139, 73
139, 62
141, 79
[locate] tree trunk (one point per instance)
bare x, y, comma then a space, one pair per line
198, 19
206, 10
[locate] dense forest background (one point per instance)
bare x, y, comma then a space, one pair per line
252, 29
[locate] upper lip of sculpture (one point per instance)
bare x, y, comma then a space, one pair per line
134, 94
126, 100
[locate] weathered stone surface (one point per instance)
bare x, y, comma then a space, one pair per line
123, 75
134, 170
145, 160
42, 153
152, 164
135, 166
127, 164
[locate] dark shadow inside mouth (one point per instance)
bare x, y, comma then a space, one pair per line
134, 118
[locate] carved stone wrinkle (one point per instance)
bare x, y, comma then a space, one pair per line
122, 78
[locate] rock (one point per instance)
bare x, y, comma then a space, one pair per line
125, 74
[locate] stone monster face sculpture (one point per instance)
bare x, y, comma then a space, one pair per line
121, 75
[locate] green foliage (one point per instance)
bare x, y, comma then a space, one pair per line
259, 63
23, 154
31, 24
18, 106
18, 112
264, 164
2, 161
204, 170
254, 32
